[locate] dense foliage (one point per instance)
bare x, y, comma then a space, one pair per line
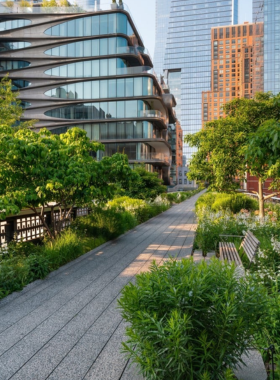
41, 170
246, 140
144, 185
191, 321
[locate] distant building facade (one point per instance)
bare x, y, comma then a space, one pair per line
176, 141
183, 50
89, 69
236, 67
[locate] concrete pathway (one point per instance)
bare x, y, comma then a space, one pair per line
67, 327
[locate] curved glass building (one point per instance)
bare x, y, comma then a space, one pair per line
89, 69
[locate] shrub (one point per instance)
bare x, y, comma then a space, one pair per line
109, 223
68, 246
222, 201
234, 202
191, 321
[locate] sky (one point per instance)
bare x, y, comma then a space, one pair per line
143, 13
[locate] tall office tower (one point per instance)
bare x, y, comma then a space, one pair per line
236, 67
272, 46
89, 68
258, 10
183, 51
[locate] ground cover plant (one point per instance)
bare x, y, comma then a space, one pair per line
22, 263
191, 321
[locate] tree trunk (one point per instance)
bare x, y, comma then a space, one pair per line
261, 199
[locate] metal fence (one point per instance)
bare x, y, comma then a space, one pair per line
27, 226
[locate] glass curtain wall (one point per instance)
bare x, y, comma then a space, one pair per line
94, 68
258, 8
272, 46
107, 88
187, 44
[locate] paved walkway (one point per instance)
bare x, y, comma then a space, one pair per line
67, 327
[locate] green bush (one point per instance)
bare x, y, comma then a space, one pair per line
107, 223
68, 246
191, 321
222, 201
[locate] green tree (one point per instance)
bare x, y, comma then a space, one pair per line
40, 170
262, 157
10, 109
144, 184
221, 146
25, 4
49, 4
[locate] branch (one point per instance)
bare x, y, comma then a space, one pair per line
271, 195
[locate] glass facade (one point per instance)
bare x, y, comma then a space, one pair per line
184, 35
17, 84
258, 8
272, 46
134, 151
108, 88
120, 131
235, 11
102, 110
94, 68
90, 48
13, 24
13, 65
174, 81
92, 26
13, 45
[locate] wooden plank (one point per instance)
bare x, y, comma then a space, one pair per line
253, 237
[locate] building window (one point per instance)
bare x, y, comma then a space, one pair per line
13, 65
13, 24
95, 47
94, 68
108, 88
92, 26
13, 45
104, 110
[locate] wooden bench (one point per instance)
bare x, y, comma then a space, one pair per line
250, 245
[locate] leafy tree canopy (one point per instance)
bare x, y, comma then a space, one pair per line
243, 141
41, 170
144, 185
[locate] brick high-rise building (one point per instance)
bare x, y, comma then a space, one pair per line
236, 67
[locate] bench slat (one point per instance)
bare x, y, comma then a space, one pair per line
229, 252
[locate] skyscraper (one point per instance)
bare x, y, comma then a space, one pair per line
183, 50
258, 10
272, 46
239, 74
269, 11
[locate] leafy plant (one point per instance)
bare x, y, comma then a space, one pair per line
226, 201
144, 185
191, 321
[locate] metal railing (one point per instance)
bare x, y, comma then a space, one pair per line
151, 113
160, 157
30, 227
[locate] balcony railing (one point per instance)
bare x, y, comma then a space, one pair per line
151, 113
155, 157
